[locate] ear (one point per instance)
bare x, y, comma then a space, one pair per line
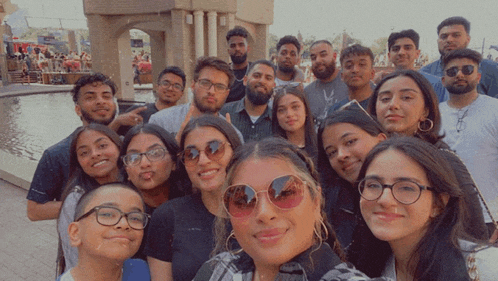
74, 234
193, 84
173, 166
381, 137
77, 109
417, 54
478, 77
334, 55
372, 74
244, 80
437, 210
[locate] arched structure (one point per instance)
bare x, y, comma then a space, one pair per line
180, 31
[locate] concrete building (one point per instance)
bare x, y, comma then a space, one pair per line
180, 31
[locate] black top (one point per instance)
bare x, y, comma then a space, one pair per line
238, 90
151, 109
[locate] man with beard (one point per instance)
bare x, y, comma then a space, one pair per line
288, 48
357, 71
212, 80
470, 122
93, 96
453, 34
252, 115
328, 88
237, 49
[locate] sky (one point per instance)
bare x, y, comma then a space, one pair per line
365, 20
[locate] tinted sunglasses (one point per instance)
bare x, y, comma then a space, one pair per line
466, 70
285, 192
214, 150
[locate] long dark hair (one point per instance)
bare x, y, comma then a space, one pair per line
310, 143
430, 101
437, 255
179, 182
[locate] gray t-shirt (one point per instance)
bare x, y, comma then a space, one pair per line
322, 96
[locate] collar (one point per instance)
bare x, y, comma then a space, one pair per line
239, 107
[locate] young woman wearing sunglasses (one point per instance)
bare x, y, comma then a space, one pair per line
274, 205
414, 212
94, 154
180, 236
292, 119
405, 104
150, 159
107, 231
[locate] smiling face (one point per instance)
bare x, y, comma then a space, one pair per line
272, 236
149, 174
400, 106
118, 242
207, 175
169, 95
291, 113
322, 61
95, 104
97, 156
403, 53
347, 146
452, 37
388, 219
259, 84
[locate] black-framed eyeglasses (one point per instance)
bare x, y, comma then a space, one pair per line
156, 154
110, 216
405, 191
167, 84
214, 150
466, 70
206, 85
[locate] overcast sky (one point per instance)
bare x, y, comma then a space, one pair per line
366, 20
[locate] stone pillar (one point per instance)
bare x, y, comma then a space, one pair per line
125, 69
199, 33
3, 58
181, 42
212, 33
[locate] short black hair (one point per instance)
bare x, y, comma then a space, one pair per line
453, 21
90, 79
265, 62
321, 42
237, 31
174, 70
216, 63
408, 33
357, 50
289, 39
462, 54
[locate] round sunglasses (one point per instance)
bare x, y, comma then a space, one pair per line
285, 192
466, 70
214, 151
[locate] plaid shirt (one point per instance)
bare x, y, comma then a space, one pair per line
319, 265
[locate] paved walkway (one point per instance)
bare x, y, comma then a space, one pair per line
28, 250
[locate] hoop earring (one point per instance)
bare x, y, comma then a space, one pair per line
232, 233
420, 126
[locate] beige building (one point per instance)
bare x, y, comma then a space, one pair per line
180, 31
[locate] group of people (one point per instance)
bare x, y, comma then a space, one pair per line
357, 176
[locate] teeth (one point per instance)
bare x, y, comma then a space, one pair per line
208, 173
99, 163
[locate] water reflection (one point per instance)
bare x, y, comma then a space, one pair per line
31, 124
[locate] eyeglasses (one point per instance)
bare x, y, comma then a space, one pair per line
466, 70
284, 192
290, 85
167, 84
110, 216
214, 150
133, 159
206, 85
405, 192
355, 105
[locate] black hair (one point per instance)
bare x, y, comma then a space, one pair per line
437, 255
454, 21
216, 63
90, 79
265, 62
174, 70
430, 102
356, 50
237, 31
289, 39
408, 33
472, 55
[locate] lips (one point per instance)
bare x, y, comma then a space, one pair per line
270, 236
393, 117
351, 166
208, 174
121, 238
146, 175
387, 216
100, 163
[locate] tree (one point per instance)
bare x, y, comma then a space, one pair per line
379, 47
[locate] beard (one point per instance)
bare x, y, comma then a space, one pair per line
256, 97
205, 108
463, 89
285, 69
89, 119
238, 59
326, 73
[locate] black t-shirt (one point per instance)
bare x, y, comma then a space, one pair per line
181, 232
238, 90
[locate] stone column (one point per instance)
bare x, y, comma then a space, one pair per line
199, 33
212, 33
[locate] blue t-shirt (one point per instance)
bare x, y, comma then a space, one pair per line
133, 270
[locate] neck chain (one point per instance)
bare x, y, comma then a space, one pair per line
461, 114
237, 79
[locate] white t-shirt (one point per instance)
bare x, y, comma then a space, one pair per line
475, 140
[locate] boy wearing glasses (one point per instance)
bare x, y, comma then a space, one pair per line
470, 122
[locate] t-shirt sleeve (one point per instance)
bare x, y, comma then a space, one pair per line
135, 270
47, 181
160, 237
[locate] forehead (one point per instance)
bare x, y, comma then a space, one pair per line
460, 62
383, 165
263, 68
237, 40
452, 28
214, 75
143, 141
97, 87
89, 136
273, 167
200, 136
288, 99
356, 58
289, 47
320, 47
117, 196
171, 77
403, 41
398, 83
